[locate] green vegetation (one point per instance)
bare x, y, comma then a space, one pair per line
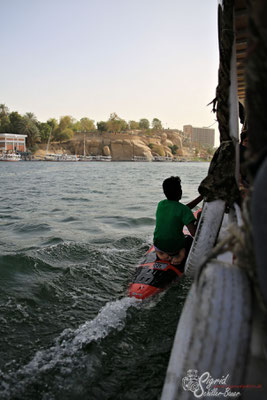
116, 124
133, 125
67, 126
156, 124
27, 125
174, 149
144, 124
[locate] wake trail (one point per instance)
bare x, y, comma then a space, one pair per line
68, 348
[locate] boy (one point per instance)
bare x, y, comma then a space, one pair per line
171, 216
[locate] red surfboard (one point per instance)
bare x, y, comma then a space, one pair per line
153, 275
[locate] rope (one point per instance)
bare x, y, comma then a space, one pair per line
220, 182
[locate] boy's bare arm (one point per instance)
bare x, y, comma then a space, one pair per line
192, 227
194, 202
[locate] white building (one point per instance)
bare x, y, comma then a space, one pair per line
10, 142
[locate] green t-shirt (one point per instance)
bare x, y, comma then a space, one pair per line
171, 216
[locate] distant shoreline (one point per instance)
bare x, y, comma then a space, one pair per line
163, 146
112, 161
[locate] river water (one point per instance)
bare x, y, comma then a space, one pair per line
71, 236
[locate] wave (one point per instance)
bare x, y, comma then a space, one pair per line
32, 228
47, 289
40, 266
67, 350
121, 221
10, 216
75, 198
70, 219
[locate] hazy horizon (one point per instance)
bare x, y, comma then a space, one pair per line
89, 58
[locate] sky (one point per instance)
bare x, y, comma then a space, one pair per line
90, 58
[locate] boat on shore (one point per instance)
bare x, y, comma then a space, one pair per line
140, 159
10, 157
162, 159
101, 158
61, 157
94, 158
85, 158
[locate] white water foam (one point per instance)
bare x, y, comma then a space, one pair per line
67, 348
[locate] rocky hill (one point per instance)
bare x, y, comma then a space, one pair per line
123, 146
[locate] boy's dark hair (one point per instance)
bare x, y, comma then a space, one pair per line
172, 188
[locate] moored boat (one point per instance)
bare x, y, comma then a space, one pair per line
95, 158
61, 157
162, 159
10, 157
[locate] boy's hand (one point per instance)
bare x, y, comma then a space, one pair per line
179, 258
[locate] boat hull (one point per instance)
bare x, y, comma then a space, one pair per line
10, 157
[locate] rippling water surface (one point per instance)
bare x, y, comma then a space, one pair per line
71, 236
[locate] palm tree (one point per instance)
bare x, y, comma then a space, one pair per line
4, 119
31, 116
28, 127
3, 110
